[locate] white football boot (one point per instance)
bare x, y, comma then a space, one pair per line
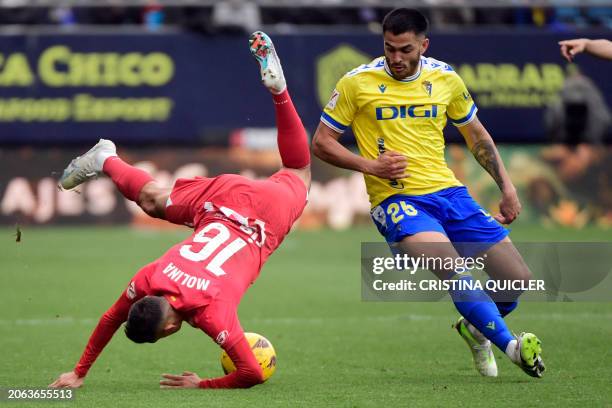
272, 76
484, 360
88, 166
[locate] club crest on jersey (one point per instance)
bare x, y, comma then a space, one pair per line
222, 337
428, 87
131, 291
333, 100
382, 88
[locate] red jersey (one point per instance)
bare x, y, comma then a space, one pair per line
237, 224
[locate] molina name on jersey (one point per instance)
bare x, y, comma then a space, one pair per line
407, 116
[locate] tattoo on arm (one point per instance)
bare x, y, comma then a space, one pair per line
484, 152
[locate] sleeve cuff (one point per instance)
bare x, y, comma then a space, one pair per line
81, 372
466, 119
333, 123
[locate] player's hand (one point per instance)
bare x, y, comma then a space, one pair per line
509, 207
68, 380
389, 165
570, 48
187, 380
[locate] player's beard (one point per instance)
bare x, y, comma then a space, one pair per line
410, 68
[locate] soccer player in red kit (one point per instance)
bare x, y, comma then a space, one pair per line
237, 224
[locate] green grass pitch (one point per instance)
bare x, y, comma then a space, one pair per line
333, 349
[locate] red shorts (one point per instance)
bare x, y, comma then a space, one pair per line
278, 200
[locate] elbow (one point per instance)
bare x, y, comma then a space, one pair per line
256, 378
250, 377
317, 146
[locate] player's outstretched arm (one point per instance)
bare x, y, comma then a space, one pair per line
325, 145
484, 150
597, 48
104, 331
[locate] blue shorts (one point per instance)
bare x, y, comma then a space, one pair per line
452, 212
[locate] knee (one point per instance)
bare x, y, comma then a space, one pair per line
149, 199
147, 202
523, 273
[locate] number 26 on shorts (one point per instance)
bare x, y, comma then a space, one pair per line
397, 213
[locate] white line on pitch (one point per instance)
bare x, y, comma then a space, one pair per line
321, 320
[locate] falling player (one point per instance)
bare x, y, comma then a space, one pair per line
397, 106
237, 224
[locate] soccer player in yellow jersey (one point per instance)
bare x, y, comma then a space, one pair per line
398, 106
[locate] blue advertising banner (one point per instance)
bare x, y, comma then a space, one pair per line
184, 88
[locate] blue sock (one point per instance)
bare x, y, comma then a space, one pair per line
506, 302
478, 308
505, 308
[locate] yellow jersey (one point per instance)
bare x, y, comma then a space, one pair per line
407, 116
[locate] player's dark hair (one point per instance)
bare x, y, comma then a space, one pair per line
144, 319
402, 20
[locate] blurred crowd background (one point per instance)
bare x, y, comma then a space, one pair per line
246, 15
173, 84
237, 16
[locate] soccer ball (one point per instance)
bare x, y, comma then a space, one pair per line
263, 351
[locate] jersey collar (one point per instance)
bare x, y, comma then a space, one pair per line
407, 79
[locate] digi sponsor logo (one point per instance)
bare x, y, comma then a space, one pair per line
406, 111
131, 291
333, 100
222, 337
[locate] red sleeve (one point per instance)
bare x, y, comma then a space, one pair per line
104, 331
113, 318
248, 372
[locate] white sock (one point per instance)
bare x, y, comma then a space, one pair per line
512, 351
101, 158
475, 332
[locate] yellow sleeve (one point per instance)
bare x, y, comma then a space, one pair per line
461, 109
340, 111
